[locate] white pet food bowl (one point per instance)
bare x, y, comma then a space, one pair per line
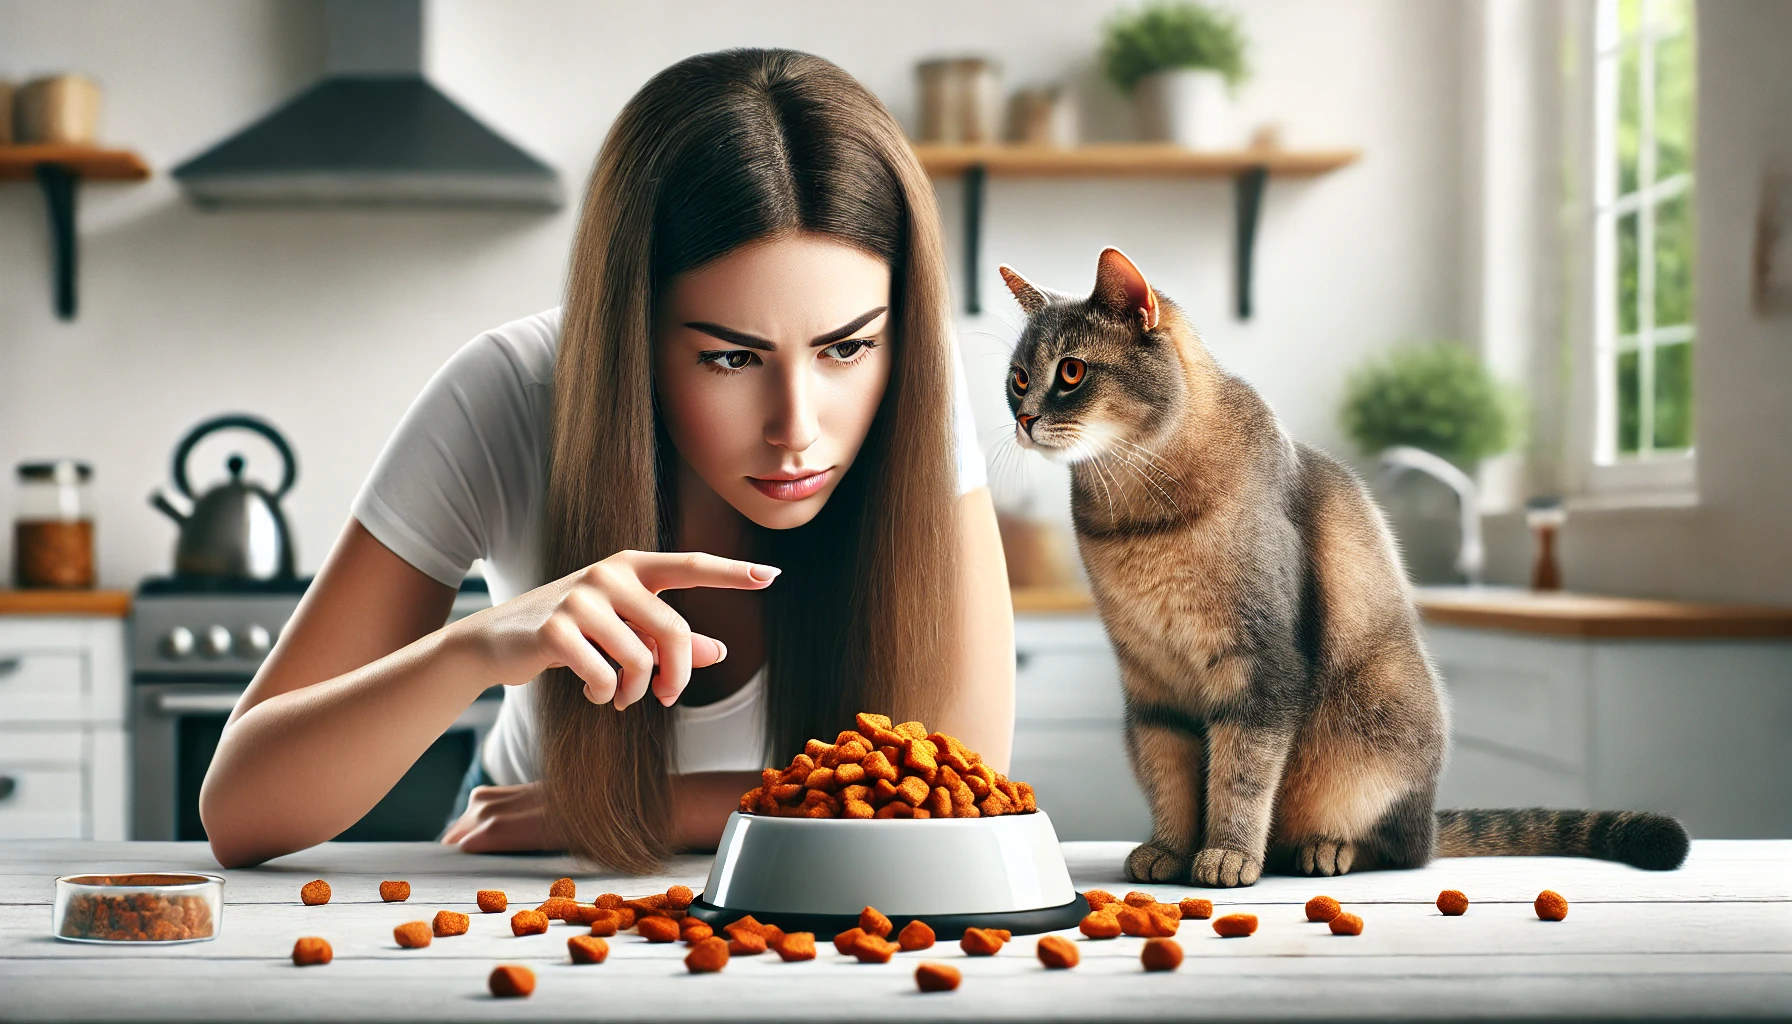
816, 874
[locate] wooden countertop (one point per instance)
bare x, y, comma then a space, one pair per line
115, 604
1713, 939
1589, 616
1594, 616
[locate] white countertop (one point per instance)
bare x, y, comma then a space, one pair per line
1712, 939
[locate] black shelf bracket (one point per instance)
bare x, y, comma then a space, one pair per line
1247, 208
1247, 201
976, 181
58, 185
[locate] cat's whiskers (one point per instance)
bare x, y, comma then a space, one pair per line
1117, 450
1092, 459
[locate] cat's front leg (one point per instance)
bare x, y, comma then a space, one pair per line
1244, 770
1166, 759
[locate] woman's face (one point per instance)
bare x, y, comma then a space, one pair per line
770, 363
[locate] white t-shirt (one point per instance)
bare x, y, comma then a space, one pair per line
464, 478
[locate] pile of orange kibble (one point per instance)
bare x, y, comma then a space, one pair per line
879, 770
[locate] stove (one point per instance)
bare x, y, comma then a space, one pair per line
195, 645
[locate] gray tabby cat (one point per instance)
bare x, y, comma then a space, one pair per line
1281, 709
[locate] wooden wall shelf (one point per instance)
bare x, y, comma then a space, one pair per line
57, 170
1249, 169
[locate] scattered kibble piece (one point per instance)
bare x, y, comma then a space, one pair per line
1057, 953
1136, 898
625, 918
1323, 909
587, 949
707, 956
679, 897
449, 922
412, 934
794, 946
604, 922
1347, 923
1452, 903
658, 929
694, 931
1135, 922
492, 901
563, 887
1161, 955
559, 908
1551, 905
843, 941
1235, 926
915, 935
937, 977
873, 949
511, 981
1100, 926
1098, 898
315, 893
746, 944
981, 942
1196, 910
311, 951
609, 901
528, 922
873, 922
395, 892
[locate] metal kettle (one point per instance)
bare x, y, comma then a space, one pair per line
236, 530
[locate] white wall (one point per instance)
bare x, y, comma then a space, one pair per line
328, 321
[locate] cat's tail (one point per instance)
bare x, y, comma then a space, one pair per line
1653, 841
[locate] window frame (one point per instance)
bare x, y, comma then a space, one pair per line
1602, 469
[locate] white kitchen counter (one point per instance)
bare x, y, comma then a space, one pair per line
1713, 939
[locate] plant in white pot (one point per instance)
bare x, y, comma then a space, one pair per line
1180, 62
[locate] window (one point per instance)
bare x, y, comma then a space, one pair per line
1643, 233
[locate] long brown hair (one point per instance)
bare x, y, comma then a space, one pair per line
715, 152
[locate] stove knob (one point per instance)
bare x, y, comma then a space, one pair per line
254, 641
178, 643
216, 642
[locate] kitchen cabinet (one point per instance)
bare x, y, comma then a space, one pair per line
1691, 725
1069, 737
62, 717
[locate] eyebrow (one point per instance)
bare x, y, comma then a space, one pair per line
746, 340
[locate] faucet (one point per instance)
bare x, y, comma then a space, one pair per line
1471, 556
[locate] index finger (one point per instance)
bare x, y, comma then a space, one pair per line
678, 570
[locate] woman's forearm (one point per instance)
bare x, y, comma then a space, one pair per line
299, 767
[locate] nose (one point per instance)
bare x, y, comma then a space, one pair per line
1026, 421
793, 423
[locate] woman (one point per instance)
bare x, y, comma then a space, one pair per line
753, 367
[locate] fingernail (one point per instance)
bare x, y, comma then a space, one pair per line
765, 573
724, 649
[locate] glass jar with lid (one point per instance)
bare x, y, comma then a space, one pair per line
53, 527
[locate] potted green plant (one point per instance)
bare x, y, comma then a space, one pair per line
1437, 397
1180, 61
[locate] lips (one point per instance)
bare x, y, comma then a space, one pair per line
792, 488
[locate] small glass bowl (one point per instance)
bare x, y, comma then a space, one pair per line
153, 908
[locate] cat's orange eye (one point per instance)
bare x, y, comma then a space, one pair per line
1070, 372
1019, 381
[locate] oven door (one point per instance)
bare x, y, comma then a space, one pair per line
175, 731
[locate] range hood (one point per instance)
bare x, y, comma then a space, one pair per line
373, 130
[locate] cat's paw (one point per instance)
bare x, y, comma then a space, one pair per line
1149, 862
1225, 869
1324, 857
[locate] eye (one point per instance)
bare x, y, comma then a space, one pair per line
844, 351
1070, 372
728, 359
1018, 381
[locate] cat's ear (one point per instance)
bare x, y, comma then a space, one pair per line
1032, 299
1120, 287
